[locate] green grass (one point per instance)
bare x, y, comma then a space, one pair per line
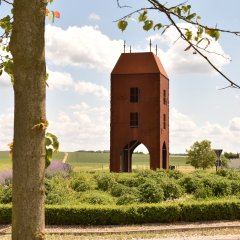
5, 161
96, 161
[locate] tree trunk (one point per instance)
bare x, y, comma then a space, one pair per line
27, 48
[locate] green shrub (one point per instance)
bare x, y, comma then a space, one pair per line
210, 210
80, 183
96, 198
5, 214
104, 182
235, 186
57, 190
118, 189
151, 192
136, 213
222, 187
203, 192
190, 183
172, 189
126, 199
6, 193
128, 179
174, 174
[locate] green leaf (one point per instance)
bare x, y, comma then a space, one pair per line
143, 16
56, 146
188, 35
191, 16
212, 33
49, 153
48, 141
122, 25
148, 25
158, 26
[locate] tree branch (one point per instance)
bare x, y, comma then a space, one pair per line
169, 13
199, 52
6, 1
122, 6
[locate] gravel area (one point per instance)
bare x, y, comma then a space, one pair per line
180, 230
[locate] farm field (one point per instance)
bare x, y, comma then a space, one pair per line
99, 161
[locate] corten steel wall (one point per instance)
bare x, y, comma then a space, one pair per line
142, 70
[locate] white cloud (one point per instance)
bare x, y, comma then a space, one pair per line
59, 80
235, 124
184, 132
85, 128
181, 122
82, 47
6, 129
91, 88
64, 81
94, 17
178, 61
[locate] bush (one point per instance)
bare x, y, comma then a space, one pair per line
235, 186
203, 192
151, 192
174, 174
5, 214
222, 187
96, 198
210, 210
57, 190
104, 182
190, 183
136, 214
81, 183
127, 199
172, 190
128, 179
6, 194
118, 190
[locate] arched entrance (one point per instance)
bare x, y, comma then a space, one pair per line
126, 156
164, 156
140, 158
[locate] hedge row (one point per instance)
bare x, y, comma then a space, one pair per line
136, 214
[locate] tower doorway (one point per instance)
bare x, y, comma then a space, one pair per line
140, 158
126, 157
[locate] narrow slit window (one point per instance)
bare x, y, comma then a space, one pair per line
134, 95
164, 97
134, 119
164, 121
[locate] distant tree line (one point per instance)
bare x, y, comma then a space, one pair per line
231, 155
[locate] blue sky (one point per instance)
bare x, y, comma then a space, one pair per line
82, 48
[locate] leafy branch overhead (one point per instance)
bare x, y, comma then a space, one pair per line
198, 41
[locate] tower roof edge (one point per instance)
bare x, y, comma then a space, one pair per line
139, 63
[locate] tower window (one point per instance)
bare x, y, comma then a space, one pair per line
164, 121
134, 119
134, 95
164, 97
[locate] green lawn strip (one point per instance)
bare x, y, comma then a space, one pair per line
95, 161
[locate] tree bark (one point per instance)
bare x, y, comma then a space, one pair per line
27, 48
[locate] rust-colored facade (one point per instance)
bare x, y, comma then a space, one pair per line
139, 111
